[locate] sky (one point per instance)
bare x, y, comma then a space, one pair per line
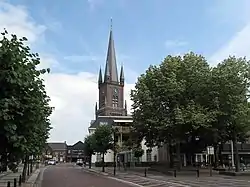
72, 37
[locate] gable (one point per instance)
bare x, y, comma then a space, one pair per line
78, 146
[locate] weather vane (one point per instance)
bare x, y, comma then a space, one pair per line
111, 23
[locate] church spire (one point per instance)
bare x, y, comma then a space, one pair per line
111, 66
100, 77
122, 76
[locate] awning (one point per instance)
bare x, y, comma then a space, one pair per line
123, 121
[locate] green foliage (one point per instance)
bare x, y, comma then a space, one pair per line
230, 83
24, 104
183, 98
89, 145
168, 100
138, 152
103, 138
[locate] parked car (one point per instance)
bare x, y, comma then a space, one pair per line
51, 162
79, 162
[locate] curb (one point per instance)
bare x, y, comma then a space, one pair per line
4, 174
35, 178
95, 171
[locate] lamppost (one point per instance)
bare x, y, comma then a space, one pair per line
114, 147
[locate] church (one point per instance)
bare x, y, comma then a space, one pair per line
111, 109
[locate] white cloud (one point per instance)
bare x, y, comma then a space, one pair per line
94, 3
16, 20
236, 13
175, 43
239, 46
82, 58
73, 95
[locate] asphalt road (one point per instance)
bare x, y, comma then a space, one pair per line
70, 176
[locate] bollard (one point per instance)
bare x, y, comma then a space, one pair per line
20, 180
210, 171
198, 172
8, 184
14, 182
175, 173
145, 172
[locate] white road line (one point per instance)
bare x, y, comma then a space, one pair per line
155, 185
126, 182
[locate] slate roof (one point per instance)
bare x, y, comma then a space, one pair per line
58, 146
77, 146
111, 66
108, 120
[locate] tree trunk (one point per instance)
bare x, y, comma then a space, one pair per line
4, 161
103, 163
90, 161
237, 160
220, 155
31, 166
216, 155
25, 168
178, 153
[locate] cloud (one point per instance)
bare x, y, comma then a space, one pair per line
94, 3
16, 20
82, 58
72, 95
175, 43
237, 14
239, 46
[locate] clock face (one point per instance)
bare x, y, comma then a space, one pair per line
115, 91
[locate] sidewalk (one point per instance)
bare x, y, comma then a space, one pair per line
179, 181
10, 176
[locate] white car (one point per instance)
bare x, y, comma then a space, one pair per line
79, 162
51, 162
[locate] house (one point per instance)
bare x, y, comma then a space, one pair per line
75, 152
58, 151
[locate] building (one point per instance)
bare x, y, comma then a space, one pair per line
111, 109
57, 151
75, 152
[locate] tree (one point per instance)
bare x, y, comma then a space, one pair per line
138, 152
230, 81
24, 104
103, 140
89, 147
170, 101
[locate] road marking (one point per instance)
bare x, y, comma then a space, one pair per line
124, 181
155, 185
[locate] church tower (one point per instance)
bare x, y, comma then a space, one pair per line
111, 86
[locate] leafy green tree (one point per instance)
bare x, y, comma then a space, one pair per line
169, 101
24, 104
138, 152
230, 81
103, 141
89, 147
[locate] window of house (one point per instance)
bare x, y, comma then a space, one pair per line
155, 158
98, 157
149, 156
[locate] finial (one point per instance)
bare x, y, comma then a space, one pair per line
111, 23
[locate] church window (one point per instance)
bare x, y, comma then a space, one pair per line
115, 101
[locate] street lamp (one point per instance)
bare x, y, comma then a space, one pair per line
114, 130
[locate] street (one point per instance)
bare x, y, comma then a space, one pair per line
66, 175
